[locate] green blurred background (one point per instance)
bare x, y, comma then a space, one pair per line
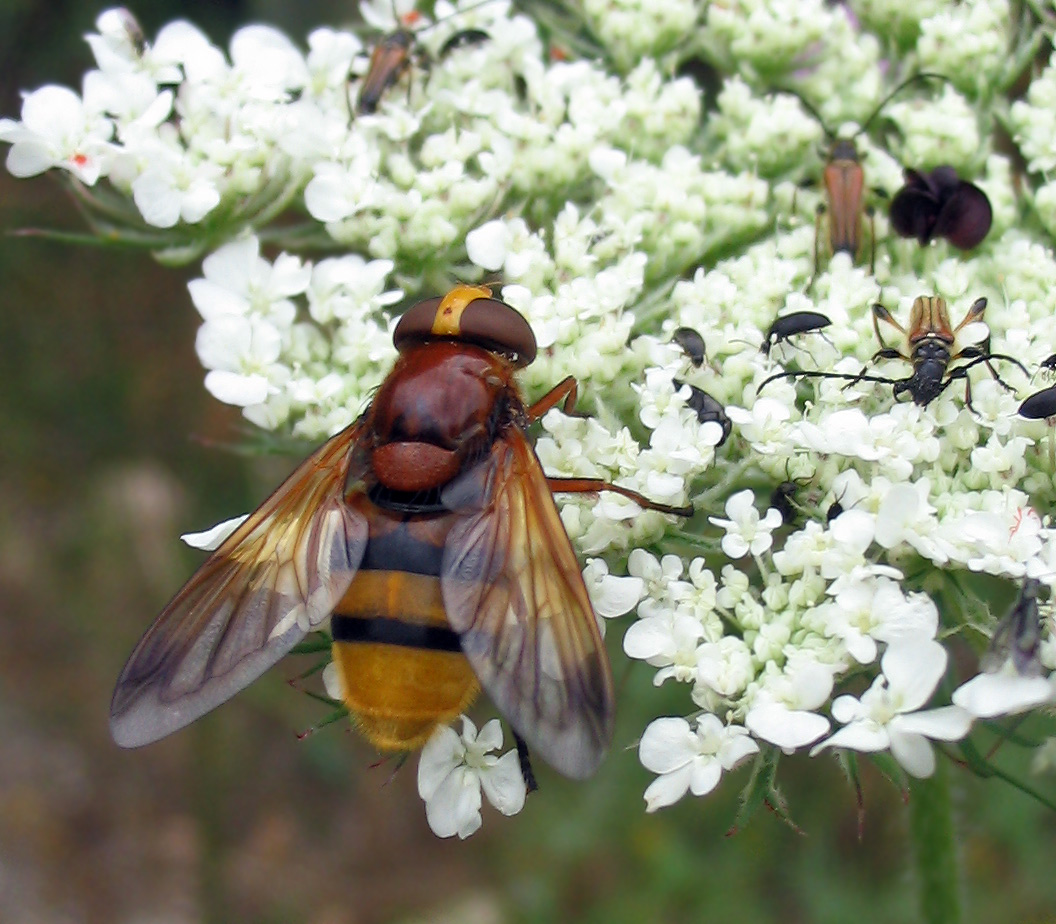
108, 452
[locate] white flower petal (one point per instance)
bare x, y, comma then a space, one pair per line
442, 753
947, 723
503, 784
668, 789
914, 753
787, 728
988, 695
914, 668
210, 539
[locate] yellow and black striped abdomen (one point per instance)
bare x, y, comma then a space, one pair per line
401, 666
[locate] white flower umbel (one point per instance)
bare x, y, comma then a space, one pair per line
615, 203
888, 714
690, 758
453, 770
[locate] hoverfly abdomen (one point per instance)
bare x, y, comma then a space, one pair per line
401, 664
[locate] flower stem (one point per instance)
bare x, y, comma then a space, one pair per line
931, 821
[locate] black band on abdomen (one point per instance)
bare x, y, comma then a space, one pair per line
382, 631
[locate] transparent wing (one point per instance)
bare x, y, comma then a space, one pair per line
513, 590
271, 581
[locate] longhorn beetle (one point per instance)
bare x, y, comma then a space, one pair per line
928, 345
844, 181
391, 57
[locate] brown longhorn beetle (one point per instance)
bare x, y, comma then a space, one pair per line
929, 346
844, 182
391, 57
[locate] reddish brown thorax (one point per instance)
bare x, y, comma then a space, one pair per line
450, 389
435, 408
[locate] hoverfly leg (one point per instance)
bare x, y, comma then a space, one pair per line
526, 763
334, 716
567, 389
594, 485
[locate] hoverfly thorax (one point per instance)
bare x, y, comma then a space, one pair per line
451, 390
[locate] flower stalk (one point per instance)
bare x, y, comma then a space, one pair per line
934, 839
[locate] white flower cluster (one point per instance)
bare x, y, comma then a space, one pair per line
614, 218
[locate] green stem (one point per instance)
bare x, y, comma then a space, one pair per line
935, 847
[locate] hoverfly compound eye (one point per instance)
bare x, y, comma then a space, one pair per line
470, 314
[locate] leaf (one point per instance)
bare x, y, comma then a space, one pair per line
892, 770
761, 790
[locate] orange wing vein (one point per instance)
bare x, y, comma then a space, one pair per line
514, 592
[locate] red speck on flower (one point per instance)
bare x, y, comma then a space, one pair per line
78, 159
410, 18
1017, 519
558, 54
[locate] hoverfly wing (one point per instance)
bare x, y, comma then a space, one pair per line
513, 591
276, 577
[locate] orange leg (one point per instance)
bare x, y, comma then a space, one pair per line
567, 388
594, 485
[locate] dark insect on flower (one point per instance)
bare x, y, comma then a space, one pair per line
844, 181
692, 344
781, 499
426, 533
1039, 406
1018, 636
391, 57
708, 409
940, 204
1047, 366
929, 345
463, 39
788, 325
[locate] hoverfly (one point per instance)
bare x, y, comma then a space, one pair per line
844, 182
427, 533
391, 57
928, 345
939, 203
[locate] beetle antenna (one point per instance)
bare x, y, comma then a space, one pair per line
923, 75
812, 374
467, 9
829, 134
